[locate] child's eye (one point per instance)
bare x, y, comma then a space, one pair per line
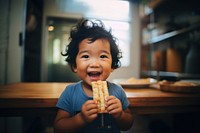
103, 56
85, 56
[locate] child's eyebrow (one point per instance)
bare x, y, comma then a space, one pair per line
83, 51
87, 51
105, 51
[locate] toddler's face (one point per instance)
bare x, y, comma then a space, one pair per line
93, 61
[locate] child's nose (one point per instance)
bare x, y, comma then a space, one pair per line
94, 63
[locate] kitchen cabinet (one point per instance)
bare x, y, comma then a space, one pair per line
169, 28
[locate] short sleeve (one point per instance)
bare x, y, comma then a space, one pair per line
65, 99
119, 92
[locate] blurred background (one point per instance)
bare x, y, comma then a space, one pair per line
154, 35
158, 39
37, 31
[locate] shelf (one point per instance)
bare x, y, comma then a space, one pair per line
172, 34
175, 17
172, 6
170, 75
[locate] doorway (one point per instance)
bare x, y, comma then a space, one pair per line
58, 35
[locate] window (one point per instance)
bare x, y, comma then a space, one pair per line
114, 13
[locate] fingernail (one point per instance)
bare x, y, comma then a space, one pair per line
106, 98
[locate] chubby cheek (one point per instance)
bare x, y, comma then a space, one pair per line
107, 73
80, 67
76, 67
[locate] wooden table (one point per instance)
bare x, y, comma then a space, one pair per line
21, 99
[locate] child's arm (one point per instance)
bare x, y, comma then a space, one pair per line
65, 123
126, 120
123, 118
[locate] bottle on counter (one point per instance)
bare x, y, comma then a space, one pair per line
192, 64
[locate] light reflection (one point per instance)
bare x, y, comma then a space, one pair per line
101, 9
56, 51
50, 28
112, 8
121, 31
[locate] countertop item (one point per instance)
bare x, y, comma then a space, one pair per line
180, 87
39, 99
174, 60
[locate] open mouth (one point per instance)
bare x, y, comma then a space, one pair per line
94, 75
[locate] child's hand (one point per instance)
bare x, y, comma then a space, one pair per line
89, 111
114, 106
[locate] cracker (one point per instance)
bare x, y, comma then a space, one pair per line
100, 92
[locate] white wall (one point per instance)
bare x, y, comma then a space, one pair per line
15, 52
134, 69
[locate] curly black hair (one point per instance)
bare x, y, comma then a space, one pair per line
92, 30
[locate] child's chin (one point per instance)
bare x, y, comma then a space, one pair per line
94, 78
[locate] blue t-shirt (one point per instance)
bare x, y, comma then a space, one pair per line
73, 97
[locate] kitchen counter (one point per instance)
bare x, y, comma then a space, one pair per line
19, 99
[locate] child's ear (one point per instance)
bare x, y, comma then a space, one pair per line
74, 68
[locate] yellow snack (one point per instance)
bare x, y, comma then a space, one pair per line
100, 92
138, 81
